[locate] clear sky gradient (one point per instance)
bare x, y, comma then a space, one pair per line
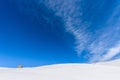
42, 32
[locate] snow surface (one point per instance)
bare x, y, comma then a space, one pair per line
111, 63
64, 72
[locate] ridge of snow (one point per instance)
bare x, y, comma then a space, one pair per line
62, 72
115, 63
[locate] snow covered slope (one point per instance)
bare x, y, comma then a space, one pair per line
112, 63
62, 72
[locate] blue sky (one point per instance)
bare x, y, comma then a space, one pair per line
42, 32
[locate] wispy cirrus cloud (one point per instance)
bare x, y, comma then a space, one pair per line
91, 34
107, 45
71, 14
111, 53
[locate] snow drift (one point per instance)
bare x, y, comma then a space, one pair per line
63, 72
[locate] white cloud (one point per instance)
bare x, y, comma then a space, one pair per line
71, 14
97, 44
111, 53
110, 37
